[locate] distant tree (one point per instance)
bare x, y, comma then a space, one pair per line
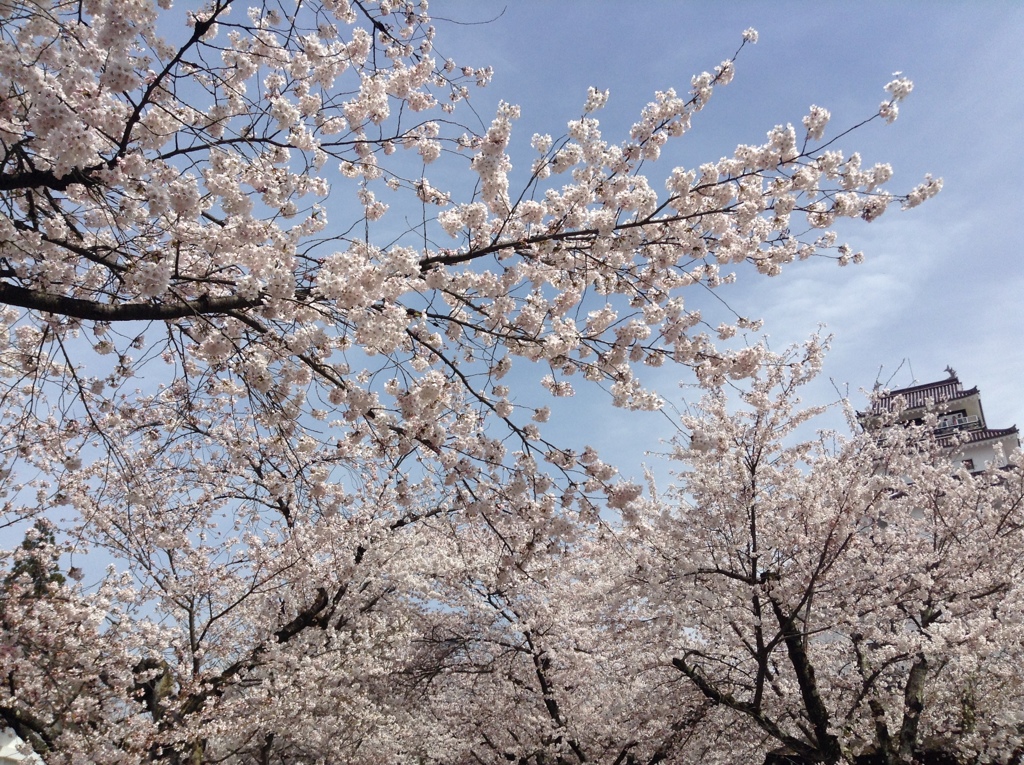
852, 599
65, 671
254, 356
36, 563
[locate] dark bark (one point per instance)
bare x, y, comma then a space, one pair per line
814, 707
90, 310
769, 726
913, 705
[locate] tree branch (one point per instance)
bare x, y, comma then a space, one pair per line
817, 712
728, 700
90, 310
913, 705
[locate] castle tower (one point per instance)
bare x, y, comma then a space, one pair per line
959, 414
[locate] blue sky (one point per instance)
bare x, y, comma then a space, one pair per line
942, 284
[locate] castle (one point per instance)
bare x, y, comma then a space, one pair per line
961, 420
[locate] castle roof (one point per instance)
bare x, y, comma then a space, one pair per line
962, 429
979, 436
917, 396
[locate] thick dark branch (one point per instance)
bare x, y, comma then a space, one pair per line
46, 179
89, 310
29, 728
882, 736
913, 705
624, 752
729, 574
815, 708
541, 664
728, 700
306, 618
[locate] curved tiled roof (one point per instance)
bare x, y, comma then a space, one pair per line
917, 396
979, 436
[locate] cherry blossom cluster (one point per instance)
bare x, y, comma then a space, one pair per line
276, 340
842, 595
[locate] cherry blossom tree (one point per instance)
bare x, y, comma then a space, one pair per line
260, 290
851, 599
